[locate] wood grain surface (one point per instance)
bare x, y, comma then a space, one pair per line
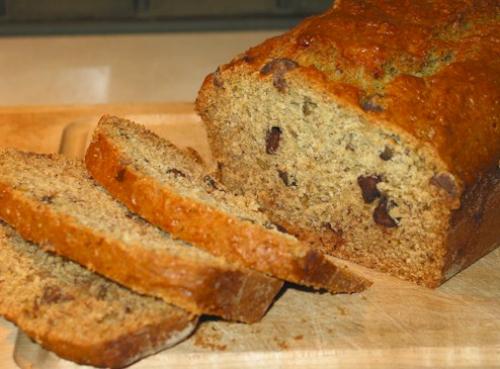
394, 324
39, 128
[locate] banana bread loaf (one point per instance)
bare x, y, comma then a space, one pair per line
170, 188
52, 201
371, 131
80, 316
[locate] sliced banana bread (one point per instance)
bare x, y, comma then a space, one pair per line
371, 131
52, 201
171, 189
77, 314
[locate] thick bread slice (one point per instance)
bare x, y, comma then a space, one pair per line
173, 190
52, 201
77, 314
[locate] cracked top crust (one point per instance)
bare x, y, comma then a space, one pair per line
431, 68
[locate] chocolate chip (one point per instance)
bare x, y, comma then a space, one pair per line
176, 172
210, 182
280, 228
279, 82
279, 64
120, 175
381, 215
287, 179
217, 78
446, 181
308, 107
305, 40
53, 295
273, 137
387, 154
278, 67
248, 59
267, 68
284, 176
370, 106
371, 103
102, 292
48, 199
369, 190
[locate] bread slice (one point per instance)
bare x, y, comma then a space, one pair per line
173, 190
52, 201
77, 314
371, 131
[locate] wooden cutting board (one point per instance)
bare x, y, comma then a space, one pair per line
393, 324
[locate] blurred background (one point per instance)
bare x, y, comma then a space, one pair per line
115, 51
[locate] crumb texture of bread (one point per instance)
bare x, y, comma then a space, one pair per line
79, 315
366, 130
53, 201
174, 191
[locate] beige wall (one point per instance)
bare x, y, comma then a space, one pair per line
110, 69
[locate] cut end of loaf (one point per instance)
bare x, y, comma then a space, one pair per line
363, 126
329, 174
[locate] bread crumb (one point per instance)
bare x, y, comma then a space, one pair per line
208, 337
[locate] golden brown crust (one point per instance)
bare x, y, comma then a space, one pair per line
433, 67
123, 350
241, 242
233, 294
